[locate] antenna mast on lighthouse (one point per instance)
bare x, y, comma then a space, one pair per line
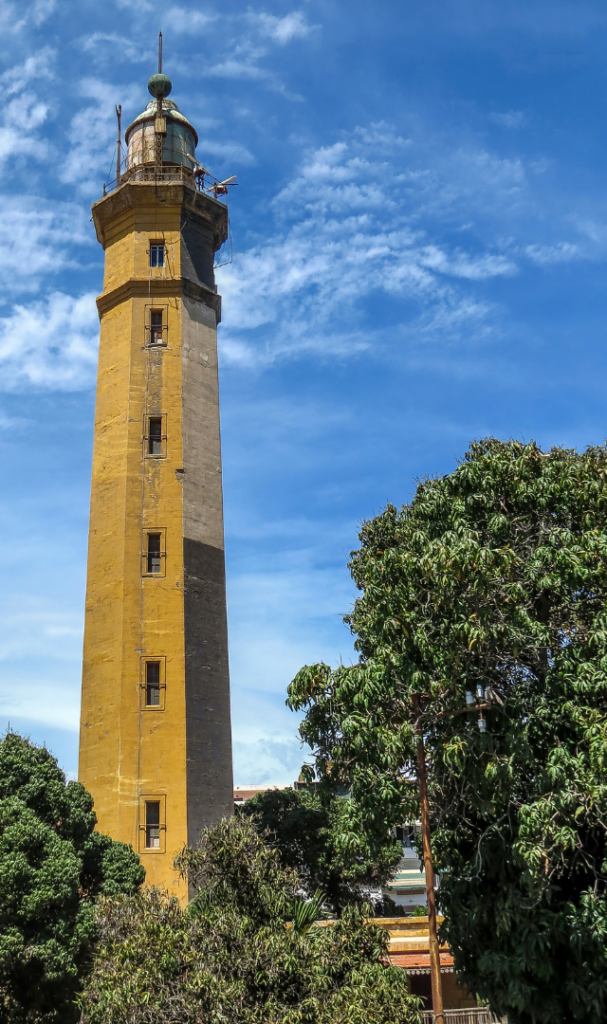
161, 126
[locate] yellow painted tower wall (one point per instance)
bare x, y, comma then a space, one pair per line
177, 753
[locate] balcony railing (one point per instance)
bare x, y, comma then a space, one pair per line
164, 175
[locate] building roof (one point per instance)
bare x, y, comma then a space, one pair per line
242, 793
416, 962
407, 877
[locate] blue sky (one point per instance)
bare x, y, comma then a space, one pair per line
420, 251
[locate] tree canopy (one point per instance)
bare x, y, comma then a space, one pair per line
53, 867
327, 841
485, 600
241, 952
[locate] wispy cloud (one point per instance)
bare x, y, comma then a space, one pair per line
25, 113
92, 135
242, 62
375, 216
109, 46
189, 20
50, 343
350, 232
17, 17
563, 252
380, 214
282, 30
38, 65
40, 11
249, 47
18, 134
509, 118
276, 761
232, 151
30, 700
39, 239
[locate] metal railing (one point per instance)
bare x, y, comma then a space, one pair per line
475, 1015
165, 175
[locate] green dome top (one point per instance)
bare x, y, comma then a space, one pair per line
160, 85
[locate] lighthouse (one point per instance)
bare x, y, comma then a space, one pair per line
155, 740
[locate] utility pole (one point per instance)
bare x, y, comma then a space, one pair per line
435, 978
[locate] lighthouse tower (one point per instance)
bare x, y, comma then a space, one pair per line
155, 742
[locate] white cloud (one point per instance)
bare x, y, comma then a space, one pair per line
282, 30
92, 157
106, 46
188, 20
31, 627
38, 238
225, 151
23, 115
138, 7
15, 17
348, 233
37, 66
563, 252
243, 62
40, 11
251, 43
50, 343
276, 761
13, 422
31, 701
509, 118
18, 133
458, 264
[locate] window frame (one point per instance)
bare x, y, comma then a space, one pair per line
147, 437
147, 532
148, 659
144, 800
163, 309
154, 246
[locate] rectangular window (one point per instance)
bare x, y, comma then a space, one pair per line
154, 555
157, 254
152, 824
155, 436
156, 326
152, 684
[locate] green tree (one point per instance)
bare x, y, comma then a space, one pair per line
493, 581
53, 867
233, 955
333, 848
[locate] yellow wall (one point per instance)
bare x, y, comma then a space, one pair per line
126, 752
